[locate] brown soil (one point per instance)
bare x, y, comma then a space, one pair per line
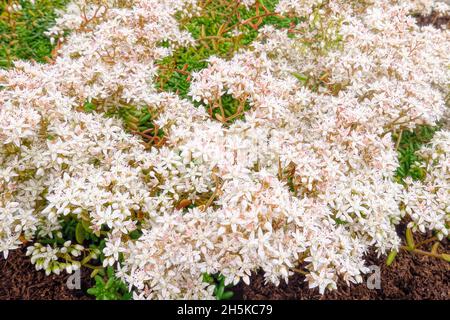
20, 280
434, 20
409, 277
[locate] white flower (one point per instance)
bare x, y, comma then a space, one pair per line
307, 173
112, 250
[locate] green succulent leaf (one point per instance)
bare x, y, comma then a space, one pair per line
227, 295
446, 257
391, 257
410, 239
80, 233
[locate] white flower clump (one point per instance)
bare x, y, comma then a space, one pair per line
381, 49
428, 202
426, 7
302, 177
302, 8
14, 8
112, 59
83, 15
46, 257
336, 144
57, 161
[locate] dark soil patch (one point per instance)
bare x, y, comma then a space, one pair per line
435, 20
19, 280
409, 277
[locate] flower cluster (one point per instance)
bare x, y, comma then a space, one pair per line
46, 257
110, 57
427, 202
56, 160
426, 7
302, 176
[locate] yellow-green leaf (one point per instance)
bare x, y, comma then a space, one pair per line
94, 272
86, 226
446, 257
435, 247
79, 233
391, 257
410, 239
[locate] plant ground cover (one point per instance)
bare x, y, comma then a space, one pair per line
175, 75
409, 277
22, 31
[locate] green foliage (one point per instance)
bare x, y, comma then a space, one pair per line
71, 229
109, 287
211, 32
140, 121
80, 233
391, 257
340, 221
228, 109
410, 239
89, 107
412, 141
218, 281
22, 33
106, 285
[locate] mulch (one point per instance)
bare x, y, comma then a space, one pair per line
434, 20
411, 276
19, 280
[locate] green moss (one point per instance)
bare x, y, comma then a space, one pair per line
410, 143
216, 17
22, 33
